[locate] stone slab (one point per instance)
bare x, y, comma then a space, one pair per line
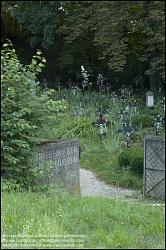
61, 158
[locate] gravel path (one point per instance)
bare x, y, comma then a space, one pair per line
91, 186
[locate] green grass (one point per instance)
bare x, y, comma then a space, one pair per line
96, 158
101, 158
105, 223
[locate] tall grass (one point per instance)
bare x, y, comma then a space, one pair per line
105, 223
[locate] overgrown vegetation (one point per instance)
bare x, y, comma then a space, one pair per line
25, 112
109, 159
133, 159
106, 166
124, 41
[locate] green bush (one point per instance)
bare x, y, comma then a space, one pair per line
142, 120
132, 159
76, 128
129, 180
25, 111
10, 185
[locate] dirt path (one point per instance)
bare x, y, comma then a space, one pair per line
91, 186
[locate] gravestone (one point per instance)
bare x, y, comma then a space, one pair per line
149, 99
62, 157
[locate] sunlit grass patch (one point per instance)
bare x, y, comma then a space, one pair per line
105, 222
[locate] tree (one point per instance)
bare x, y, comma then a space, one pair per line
101, 35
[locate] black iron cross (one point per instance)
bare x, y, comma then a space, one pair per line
158, 122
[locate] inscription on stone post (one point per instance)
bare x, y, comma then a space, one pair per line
62, 158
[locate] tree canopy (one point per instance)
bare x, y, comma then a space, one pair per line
109, 37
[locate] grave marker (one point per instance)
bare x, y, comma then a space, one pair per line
149, 99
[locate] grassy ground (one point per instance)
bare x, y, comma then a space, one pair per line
95, 156
105, 164
103, 223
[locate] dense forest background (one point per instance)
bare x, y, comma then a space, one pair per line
123, 40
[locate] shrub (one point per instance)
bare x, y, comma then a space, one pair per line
25, 111
10, 185
132, 158
142, 120
129, 180
81, 127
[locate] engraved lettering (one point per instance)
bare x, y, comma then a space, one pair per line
59, 152
75, 149
40, 156
68, 151
54, 153
75, 159
50, 155
68, 161
64, 162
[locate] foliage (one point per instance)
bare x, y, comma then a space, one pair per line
112, 144
108, 36
10, 185
102, 158
25, 110
142, 120
132, 158
81, 128
103, 161
128, 179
